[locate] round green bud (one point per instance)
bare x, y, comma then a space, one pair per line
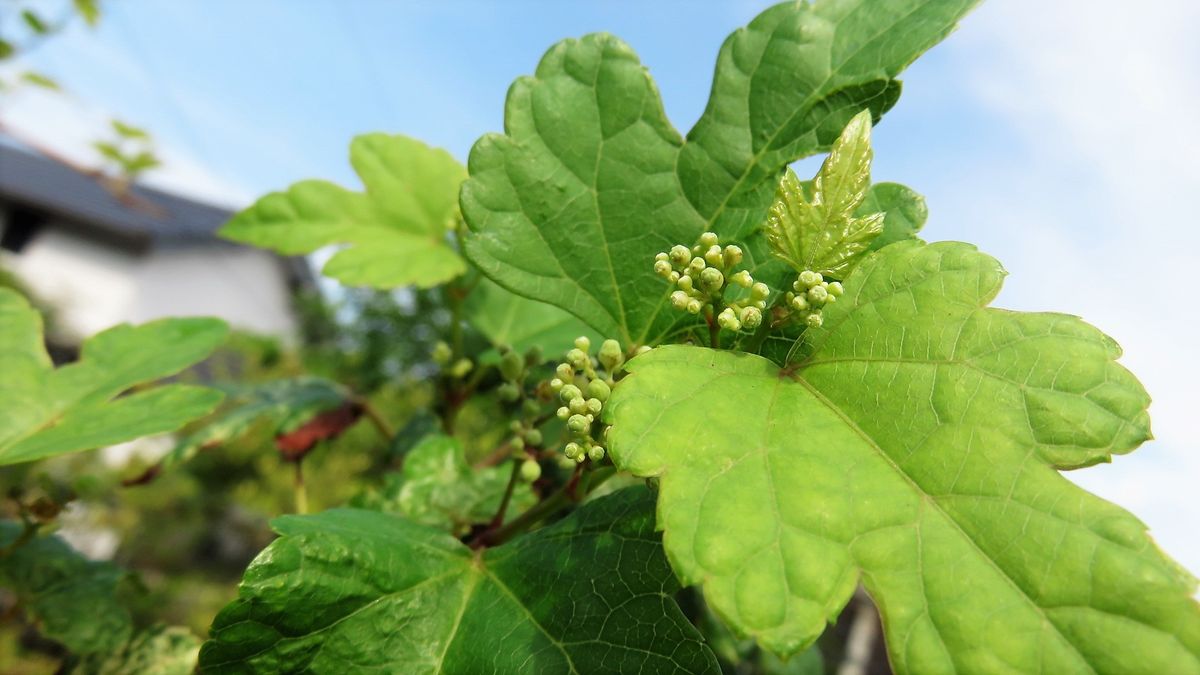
611, 355
461, 367
508, 392
594, 406
680, 255
512, 366
713, 256
726, 319
662, 257
673, 277
578, 406
679, 299
662, 268
835, 289
684, 283
517, 444
742, 279
533, 437
799, 286
830, 299
814, 320
569, 393
751, 317
818, 294
598, 390
708, 239
531, 407
563, 413
694, 306
697, 266
442, 353
732, 255
515, 426
595, 453
809, 278
556, 385
530, 471
798, 303
759, 291
711, 279
578, 424
573, 450
565, 372
583, 344
577, 358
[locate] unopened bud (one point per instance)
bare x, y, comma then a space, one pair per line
578, 406
835, 289
578, 424
565, 372
569, 393
533, 437
732, 255
680, 255
751, 317
713, 256
810, 278
759, 291
563, 413
461, 367
742, 279
814, 320
679, 300
594, 406
442, 353
711, 279
662, 268
508, 392
684, 283
611, 355
511, 366
599, 390
697, 266
595, 453
694, 306
583, 344
708, 239
530, 471
818, 294
573, 450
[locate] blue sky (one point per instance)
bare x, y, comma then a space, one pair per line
1053, 135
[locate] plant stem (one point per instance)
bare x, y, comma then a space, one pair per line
564, 496
27, 533
377, 419
759, 335
498, 519
301, 490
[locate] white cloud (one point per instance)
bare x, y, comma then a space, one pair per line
1099, 219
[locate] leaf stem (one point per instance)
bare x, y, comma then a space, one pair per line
498, 519
568, 494
300, 489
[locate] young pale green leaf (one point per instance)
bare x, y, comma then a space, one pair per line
913, 448
823, 233
72, 599
506, 318
39, 80
159, 650
395, 231
46, 411
590, 180
904, 212
358, 591
439, 489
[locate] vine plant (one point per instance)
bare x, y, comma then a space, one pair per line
816, 399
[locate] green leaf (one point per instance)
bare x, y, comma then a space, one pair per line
508, 319
6, 49
72, 598
823, 233
140, 163
89, 10
85, 405
395, 232
159, 650
357, 591
590, 180
439, 489
914, 449
34, 22
904, 212
109, 151
40, 80
129, 131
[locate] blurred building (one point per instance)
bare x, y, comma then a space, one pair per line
99, 254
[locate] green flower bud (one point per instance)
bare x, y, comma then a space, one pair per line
573, 450
565, 372
611, 355
517, 444
583, 344
531, 407
515, 426
530, 471
711, 279
684, 283
508, 392
662, 268
809, 278
679, 299
713, 256
533, 357
680, 255
594, 406
461, 367
708, 239
830, 299
835, 289
759, 291
578, 406
726, 319
596, 453
533, 437
563, 413
598, 390
556, 385
673, 277
578, 424
818, 294
663, 257
694, 306
798, 303
442, 353
732, 255
742, 279
751, 317
814, 320
577, 358
697, 266
799, 286
511, 366
569, 393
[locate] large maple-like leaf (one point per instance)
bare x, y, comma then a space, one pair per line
395, 231
914, 447
46, 411
590, 180
358, 591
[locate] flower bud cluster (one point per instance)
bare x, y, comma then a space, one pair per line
583, 390
514, 369
809, 295
703, 273
442, 354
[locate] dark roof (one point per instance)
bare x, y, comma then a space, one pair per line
36, 181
